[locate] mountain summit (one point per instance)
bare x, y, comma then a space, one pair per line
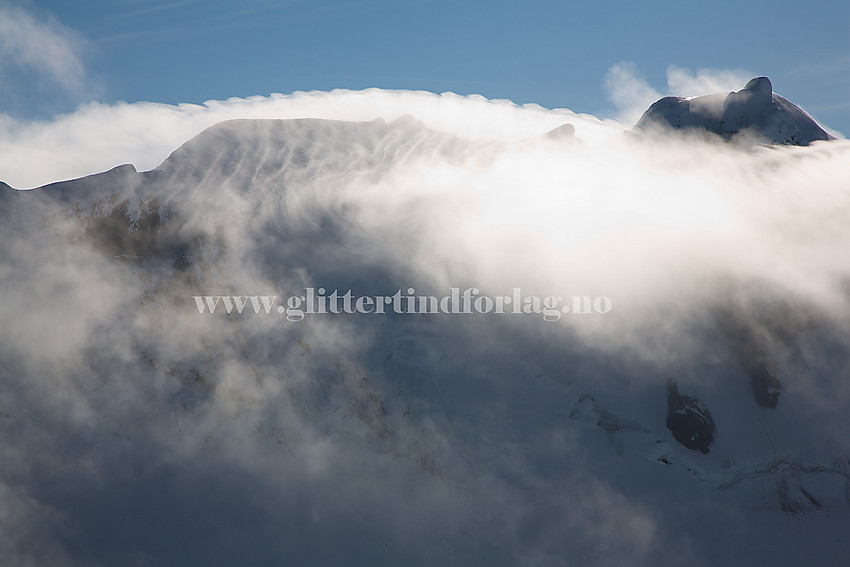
754, 110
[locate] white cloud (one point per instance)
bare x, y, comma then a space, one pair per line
630, 93
98, 137
685, 82
40, 45
440, 436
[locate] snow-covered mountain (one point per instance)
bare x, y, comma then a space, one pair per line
755, 110
702, 420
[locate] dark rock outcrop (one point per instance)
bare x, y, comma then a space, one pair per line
689, 420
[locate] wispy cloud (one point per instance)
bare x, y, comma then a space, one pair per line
686, 82
632, 94
157, 7
40, 45
185, 18
828, 67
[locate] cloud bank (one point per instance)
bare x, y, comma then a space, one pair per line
139, 431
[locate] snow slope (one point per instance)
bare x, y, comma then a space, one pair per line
755, 110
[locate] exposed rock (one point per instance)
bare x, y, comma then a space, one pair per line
689, 420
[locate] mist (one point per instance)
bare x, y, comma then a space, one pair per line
140, 431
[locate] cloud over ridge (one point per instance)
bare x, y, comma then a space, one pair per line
476, 440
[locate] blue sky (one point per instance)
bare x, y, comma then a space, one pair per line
556, 54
